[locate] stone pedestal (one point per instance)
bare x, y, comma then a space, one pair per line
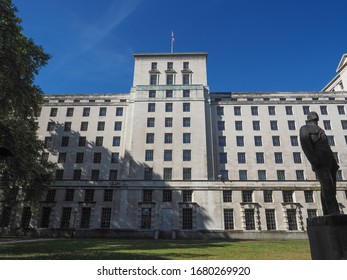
328, 237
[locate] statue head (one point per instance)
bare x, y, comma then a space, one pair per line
312, 116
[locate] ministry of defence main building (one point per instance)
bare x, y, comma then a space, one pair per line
171, 159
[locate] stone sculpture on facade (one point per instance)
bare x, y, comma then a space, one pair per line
315, 145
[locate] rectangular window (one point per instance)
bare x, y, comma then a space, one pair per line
187, 155
59, 174
69, 112
241, 157
220, 111
227, 196
50, 126
116, 141
79, 157
186, 65
221, 125
258, 141
119, 111
99, 141
292, 222
308, 196
149, 138
278, 157
153, 79
147, 195
168, 122
167, 155
240, 141
117, 126
272, 110
247, 196
105, 217
289, 110
323, 110
300, 175
331, 140
50, 196
67, 126
187, 196
146, 218
297, 157
65, 217
291, 125
281, 175
150, 122
294, 141
45, 217
101, 126
85, 217
243, 175
311, 213
82, 141
53, 112
186, 138
108, 195
168, 107
273, 125
344, 124
167, 174
97, 158
65, 141
95, 174
89, 196
228, 218
223, 158
237, 111
169, 65
169, 79
341, 109
262, 175
224, 175
186, 93
149, 155
306, 110
186, 107
151, 107
84, 126
254, 110
327, 125
238, 125
86, 112
270, 219
186, 79
151, 94
187, 173
276, 141
113, 176
69, 194
256, 125
114, 157
167, 195
77, 173
148, 173
249, 219
168, 138
267, 196
62, 158
102, 111
187, 218
221, 141
288, 196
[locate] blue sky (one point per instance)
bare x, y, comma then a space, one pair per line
252, 45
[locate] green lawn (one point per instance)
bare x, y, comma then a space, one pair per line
113, 249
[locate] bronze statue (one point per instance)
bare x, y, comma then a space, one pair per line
315, 145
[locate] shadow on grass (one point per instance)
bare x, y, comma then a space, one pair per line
118, 249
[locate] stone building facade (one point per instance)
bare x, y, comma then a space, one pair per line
173, 159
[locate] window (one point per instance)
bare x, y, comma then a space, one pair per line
82, 141
169, 79
59, 174
289, 110
151, 94
69, 112
148, 173
167, 195
228, 219
240, 141
168, 138
281, 175
99, 141
258, 141
67, 126
311, 213
53, 112
186, 93
69, 194
323, 110
278, 157
344, 124
89, 196
186, 65
167, 155
86, 112
85, 217
221, 125
50, 126
168, 122
249, 219
223, 158
331, 140
227, 196
270, 219
187, 196
339, 175
62, 158
186, 138
147, 195
241, 157
167, 174
146, 217
259, 157
149, 155
294, 140
276, 141
84, 126
45, 217
114, 157
149, 138
65, 217
262, 175
105, 217
306, 110
187, 218
291, 216
151, 107
297, 157
254, 110
341, 109
186, 122
154, 65
77, 173
224, 175
238, 125
113, 176
237, 111
95, 174
102, 111
153, 79
243, 175
256, 125
119, 111
65, 141
291, 125
186, 79
168, 107
187, 173
150, 122
187, 155
308, 196
220, 111
272, 110
273, 125
117, 126
169, 65
247, 196
327, 125
336, 156
101, 126
79, 157
287, 196
186, 107
97, 158
116, 141
26, 217
221, 141
267, 196
300, 175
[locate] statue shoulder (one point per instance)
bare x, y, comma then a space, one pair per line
310, 129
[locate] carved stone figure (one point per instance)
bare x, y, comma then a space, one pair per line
315, 145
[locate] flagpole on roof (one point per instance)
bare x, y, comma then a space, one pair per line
172, 41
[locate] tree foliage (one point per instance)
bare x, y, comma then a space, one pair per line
20, 101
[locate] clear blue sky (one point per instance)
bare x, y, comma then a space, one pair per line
252, 45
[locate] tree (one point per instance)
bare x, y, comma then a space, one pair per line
21, 167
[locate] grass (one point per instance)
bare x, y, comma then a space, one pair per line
120, 249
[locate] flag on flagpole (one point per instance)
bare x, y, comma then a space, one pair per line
172, 41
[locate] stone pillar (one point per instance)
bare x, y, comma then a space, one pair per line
328, 237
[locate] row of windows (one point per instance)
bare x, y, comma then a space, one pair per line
86, 111
80, 157
169, 93
170, 78
170, 66
272, 110
168, 138
82, 141
186, 155
168, 107
262, 175
84, 126
168, 122
274, 125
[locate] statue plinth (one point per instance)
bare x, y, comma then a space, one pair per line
328, 237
